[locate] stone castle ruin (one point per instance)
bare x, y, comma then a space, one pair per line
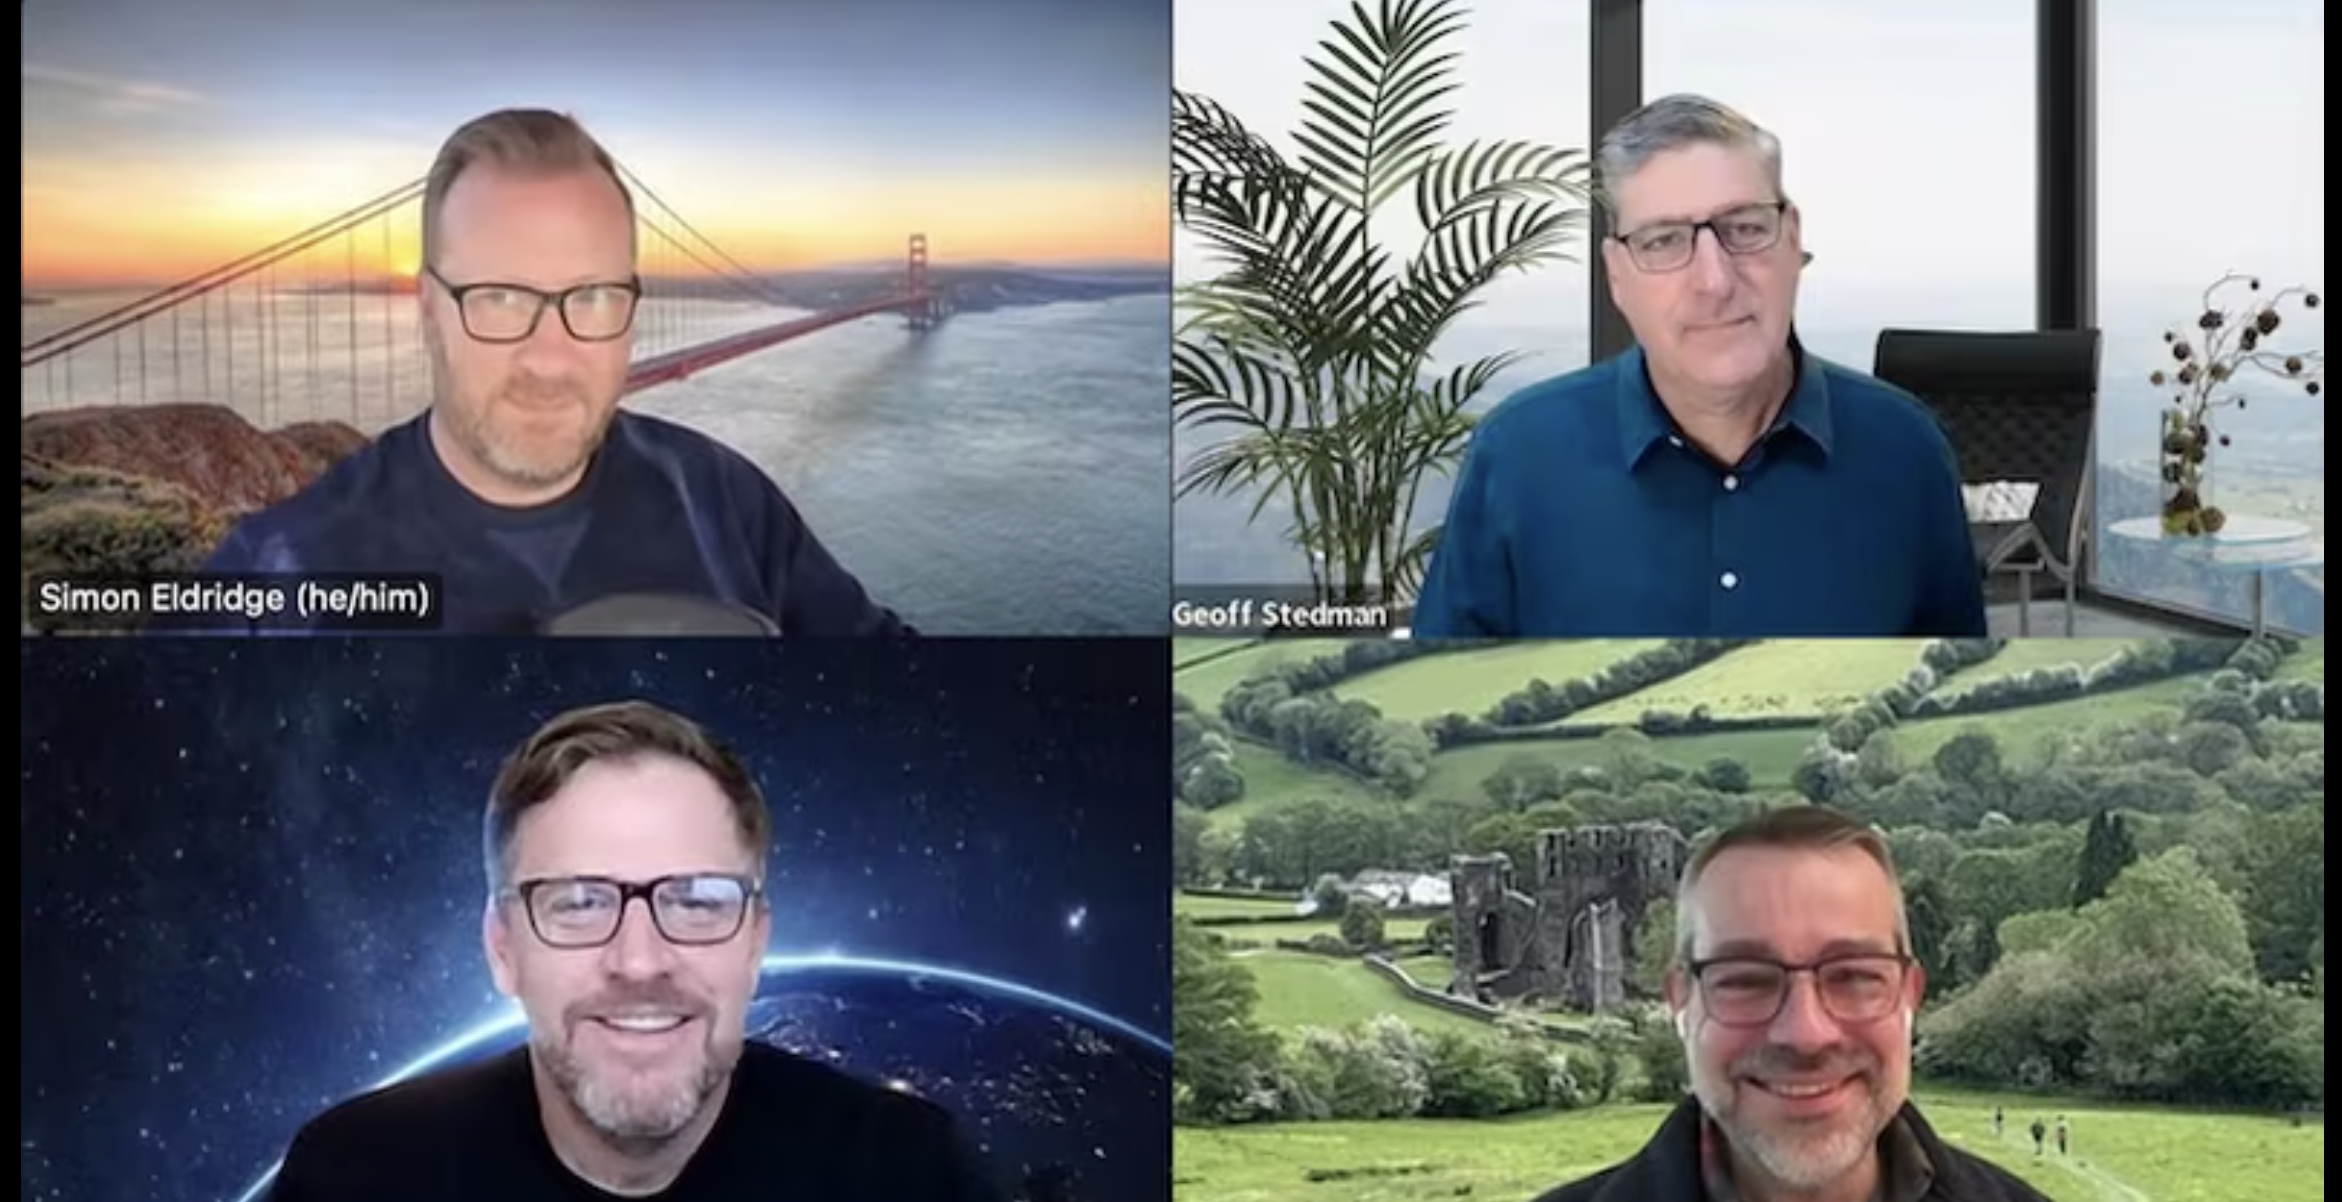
1565, 934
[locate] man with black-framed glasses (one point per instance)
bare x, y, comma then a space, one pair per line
1795, 994
540, 504
1716, 479
626, 912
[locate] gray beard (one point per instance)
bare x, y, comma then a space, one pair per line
1813, 1161
631, 1121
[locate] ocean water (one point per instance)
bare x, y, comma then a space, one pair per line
1003, 474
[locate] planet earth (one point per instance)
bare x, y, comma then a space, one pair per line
1064, 1099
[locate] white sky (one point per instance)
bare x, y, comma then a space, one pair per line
1908, 131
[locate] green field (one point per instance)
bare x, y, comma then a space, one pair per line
1471, 682
1270, 779
1428, 970
1196, 905
2309, 663
1397, 930
1765, 678
2120, 1154
2028, 655
2023, 731
1185, 651
1777, 677
1207, 679
1301, 930
1771, 755
1299, 990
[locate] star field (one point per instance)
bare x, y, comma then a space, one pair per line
252, 879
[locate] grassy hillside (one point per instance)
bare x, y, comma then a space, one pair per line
1197, 906
1270, 779
1299, 990
2120, 1154
2028, 655
1781, 677
1800, 677
1300, 930
1185, 651
2309, 663
1470, 682
1771, 755
1206, 677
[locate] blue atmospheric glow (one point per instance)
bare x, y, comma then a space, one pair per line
511, 1018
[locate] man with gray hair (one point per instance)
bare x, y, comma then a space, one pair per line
1795, 992
524, 487
1716, 479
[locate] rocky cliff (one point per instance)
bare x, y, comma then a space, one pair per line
153, 488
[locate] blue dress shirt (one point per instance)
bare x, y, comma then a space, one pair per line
1582, 512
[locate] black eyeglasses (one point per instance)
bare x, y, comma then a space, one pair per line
1749, 992
506, 313
695, 909
1669, 245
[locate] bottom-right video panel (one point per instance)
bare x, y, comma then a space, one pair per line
1570, 921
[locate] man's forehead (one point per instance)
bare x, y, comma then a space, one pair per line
1804, 901
1693, 183
649, 808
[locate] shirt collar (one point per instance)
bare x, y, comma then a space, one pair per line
1905, 1173
1643, 421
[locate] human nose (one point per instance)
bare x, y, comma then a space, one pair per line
1711, 264
551, 341
1803, 1021
638, 950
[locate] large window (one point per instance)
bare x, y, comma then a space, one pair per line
1907, 136
1522, 70
2211, 160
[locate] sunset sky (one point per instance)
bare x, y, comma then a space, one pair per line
162, 138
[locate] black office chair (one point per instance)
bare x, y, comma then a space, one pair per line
2019, 408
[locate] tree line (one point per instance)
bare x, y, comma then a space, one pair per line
1289, 707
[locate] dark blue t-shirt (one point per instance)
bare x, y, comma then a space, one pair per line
1583, 512
662, 510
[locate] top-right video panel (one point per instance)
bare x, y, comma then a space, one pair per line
1534, 319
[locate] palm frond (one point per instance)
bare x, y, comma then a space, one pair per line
1372, 116
1307, 354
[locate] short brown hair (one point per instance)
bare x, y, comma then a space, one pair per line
530, 140
1793, 828
619, 732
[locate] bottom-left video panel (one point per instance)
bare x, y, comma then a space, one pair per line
358, 921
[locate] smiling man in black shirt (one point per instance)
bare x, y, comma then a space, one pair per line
637, 1081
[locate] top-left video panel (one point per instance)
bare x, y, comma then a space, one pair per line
694, 318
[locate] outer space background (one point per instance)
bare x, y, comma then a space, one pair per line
252, 876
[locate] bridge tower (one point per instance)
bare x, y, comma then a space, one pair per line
929, 310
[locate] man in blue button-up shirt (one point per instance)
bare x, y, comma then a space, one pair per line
1717, 479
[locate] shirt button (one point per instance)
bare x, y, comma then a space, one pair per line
1731, 483
1673, 441
1730, 580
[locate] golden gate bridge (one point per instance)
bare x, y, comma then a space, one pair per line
316, 326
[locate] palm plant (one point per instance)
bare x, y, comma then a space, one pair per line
1309, 354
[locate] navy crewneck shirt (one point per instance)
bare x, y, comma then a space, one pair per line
662, 510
